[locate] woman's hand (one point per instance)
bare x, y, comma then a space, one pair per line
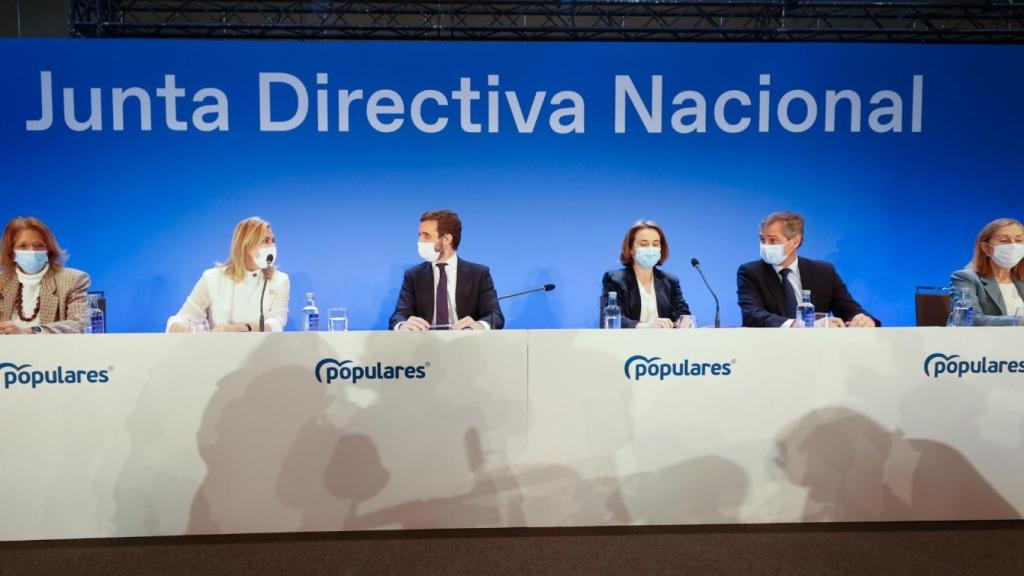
231, 328
10, 327
656, 323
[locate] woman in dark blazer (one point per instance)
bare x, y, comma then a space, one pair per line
649, 297
994, 280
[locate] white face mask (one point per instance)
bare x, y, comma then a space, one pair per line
647, 257
31, 261
1008, 255
773, 254
427, 251
261, 256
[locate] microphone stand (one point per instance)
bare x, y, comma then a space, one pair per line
266, 278
544, 288
718, 320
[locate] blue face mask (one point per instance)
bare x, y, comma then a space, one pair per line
31, 261
773, 254
647, 257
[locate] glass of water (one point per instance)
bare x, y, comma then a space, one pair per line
337, 319
686, 321
823, 320
196, 326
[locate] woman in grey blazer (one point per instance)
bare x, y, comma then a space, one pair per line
994, 280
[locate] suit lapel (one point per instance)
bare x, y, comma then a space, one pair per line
425, 290
662, 288
48, 301
8, 292
1020, 290
632, 296
771, 278
463, 281
992, 288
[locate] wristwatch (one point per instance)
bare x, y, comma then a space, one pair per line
37, 330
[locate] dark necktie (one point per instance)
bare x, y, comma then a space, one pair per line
441, 298
787, 287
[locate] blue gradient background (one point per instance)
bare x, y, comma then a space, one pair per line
145, 212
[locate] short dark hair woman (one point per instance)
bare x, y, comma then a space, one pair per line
648, 296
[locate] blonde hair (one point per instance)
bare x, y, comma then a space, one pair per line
248, 234
981, 262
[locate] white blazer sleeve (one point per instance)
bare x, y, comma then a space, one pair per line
277, 317
195, 307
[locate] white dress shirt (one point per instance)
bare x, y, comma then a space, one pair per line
1011, 297
29, 296
794, 281
648, 303
220, 300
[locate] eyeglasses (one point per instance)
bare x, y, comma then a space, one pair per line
38, 246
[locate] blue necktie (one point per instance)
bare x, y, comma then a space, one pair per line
441, 298
787, 287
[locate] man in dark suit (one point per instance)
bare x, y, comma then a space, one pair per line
445, 292
769, 289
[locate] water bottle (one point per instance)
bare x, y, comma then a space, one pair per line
93, 323
612, 313
310, 315
963, 310
805, 310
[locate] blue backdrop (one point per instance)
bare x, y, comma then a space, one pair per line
144, 212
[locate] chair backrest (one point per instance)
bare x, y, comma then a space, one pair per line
932, 305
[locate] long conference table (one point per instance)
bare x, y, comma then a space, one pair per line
146, 435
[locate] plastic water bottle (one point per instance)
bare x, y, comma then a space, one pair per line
963, 310
310, 315
612, 312
805, 310
94, 322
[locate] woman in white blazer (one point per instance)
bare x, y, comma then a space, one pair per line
228, 295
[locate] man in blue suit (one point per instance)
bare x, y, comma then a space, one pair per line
445, 292
769, 289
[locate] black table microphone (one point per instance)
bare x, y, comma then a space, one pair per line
696, 264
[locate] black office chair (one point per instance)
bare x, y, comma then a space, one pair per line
932, 305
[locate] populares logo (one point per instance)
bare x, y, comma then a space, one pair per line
937, 364
25, 375
639, 366
329, 369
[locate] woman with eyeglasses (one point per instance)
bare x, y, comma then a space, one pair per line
38, 295
994, 279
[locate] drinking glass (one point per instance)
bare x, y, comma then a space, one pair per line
686, 321
337, 319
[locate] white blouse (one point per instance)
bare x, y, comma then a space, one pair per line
648, 303
1012, 298
220, 300
29, 296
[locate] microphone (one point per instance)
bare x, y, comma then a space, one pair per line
544, 288
266, 278
696, 264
